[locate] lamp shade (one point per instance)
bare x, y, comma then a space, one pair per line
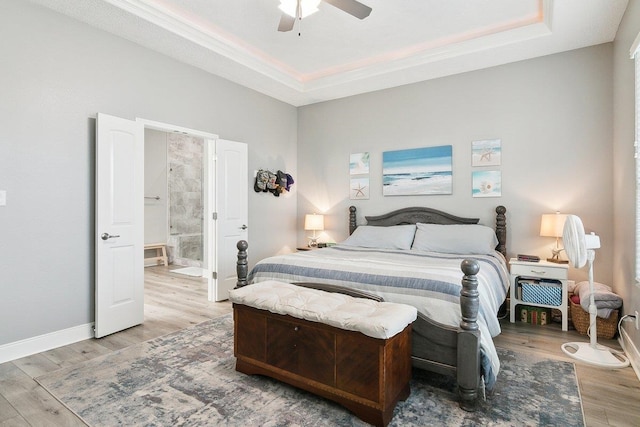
552, 224
313, 222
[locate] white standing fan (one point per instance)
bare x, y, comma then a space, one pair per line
580, 250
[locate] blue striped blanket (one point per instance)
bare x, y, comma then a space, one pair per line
429, 281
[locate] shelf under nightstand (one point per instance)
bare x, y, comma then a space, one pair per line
542, 270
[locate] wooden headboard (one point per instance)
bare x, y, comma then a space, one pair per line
432, 216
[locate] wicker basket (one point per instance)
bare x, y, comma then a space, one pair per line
607, 328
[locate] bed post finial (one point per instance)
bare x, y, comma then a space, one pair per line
469, 301
352, 220
501, 230
241, 265
468, 366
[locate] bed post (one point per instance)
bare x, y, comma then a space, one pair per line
241, 265
352, 220
501, 230
468, 366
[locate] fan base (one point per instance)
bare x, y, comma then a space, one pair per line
597, 355
558, 261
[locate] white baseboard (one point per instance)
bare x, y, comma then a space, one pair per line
29, 346
631, 351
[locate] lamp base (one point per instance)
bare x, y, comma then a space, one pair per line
597, 355
558, 261
313, 242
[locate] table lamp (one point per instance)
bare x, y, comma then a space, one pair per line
552, 226
315, 223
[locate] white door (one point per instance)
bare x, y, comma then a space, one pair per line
119, 224
232, 208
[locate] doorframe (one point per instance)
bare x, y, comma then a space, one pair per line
209, 223
208, 191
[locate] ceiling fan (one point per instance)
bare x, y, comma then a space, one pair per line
298, 9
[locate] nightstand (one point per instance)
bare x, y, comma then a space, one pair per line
548, 273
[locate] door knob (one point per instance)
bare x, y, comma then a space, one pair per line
107, 236
244, 227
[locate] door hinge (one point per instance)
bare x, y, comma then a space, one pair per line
214, 275
214, 215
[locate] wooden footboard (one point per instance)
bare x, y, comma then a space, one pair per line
453, 351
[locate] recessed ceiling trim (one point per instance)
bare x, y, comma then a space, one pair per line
220, 46
236, 51
429, 56
223, 44
494, 36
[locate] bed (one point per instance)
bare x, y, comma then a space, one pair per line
457, 310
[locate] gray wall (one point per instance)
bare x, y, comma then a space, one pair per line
55, 75
553, 114
624, 175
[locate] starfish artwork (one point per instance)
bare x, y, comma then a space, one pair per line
359, 190
486, 154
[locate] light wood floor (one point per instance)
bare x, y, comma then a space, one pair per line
173, 302
610, 397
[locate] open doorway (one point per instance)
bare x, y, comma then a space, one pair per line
119, 219
178, 191
205, 219
175, 191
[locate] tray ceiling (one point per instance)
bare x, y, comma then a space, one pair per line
337, 55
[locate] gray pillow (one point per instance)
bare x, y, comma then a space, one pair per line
461, 239
392, 237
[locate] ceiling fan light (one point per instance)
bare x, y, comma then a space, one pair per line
307, 7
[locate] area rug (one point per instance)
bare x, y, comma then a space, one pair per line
188, 378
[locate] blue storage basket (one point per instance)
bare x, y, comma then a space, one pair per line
548, 293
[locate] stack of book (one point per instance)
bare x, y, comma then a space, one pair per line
535, 315
528, 258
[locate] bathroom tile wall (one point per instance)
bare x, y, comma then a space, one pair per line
185, 154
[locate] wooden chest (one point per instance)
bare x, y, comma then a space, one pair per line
366, 375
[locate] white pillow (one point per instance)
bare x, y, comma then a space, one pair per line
455, 239
392, 237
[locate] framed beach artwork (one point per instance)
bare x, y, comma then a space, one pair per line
359, 164
487, 152
486, 184
417, 171
359, 189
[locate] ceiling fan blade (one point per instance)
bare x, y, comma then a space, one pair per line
286, 23
352, 7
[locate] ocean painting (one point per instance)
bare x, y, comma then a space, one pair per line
486, 184
417, 171
487, 152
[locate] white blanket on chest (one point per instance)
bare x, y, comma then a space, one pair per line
372, 318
